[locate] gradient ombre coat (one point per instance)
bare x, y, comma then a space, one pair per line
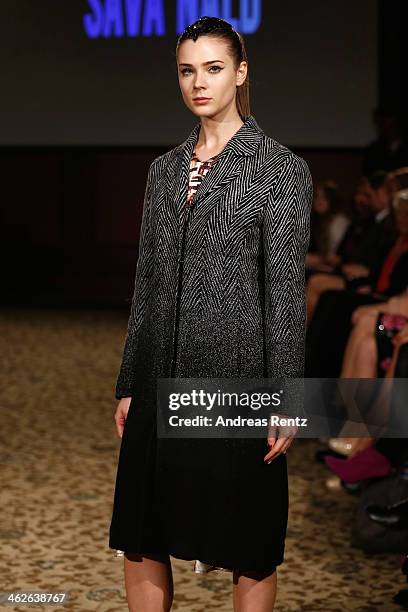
219, 292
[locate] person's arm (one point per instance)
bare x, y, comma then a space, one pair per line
398, 304
141, 293
286, 234
338, 228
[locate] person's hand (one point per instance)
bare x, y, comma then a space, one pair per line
313, 259
333, 260
279, 440
355, 270
121, 414
401, 337
324, 268
364, 289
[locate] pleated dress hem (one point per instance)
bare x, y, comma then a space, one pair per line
199, 564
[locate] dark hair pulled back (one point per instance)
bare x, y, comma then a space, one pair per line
219, 28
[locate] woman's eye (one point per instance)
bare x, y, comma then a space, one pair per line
212, 69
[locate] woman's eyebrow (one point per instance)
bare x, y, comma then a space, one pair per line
204, 63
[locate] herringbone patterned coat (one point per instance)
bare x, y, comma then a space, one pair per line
241, 310
224, 298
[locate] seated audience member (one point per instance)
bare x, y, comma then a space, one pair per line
375, 457
363, 217
390, 316
400, 178
365, 245
327, 224
353, 246
329, 330
370, 353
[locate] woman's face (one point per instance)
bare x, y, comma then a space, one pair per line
206, 70
320, 202
401, 216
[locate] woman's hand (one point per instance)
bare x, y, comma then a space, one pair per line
121, 414
333, 260
364, 289
401, 337
324, 268
279, 440
355, 270
313, 259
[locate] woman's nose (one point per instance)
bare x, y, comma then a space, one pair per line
199, 81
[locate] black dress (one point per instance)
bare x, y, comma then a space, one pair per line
213, 501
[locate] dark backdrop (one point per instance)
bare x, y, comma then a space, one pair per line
70, 215
313, 70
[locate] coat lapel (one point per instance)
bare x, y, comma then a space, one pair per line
227, 168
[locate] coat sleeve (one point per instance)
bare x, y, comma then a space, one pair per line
286, 234
141, 293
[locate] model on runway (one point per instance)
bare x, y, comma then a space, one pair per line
219, 293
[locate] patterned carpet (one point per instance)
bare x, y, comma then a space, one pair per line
58, 452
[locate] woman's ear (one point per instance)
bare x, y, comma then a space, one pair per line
242, 73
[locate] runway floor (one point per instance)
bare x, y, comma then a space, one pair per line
58, 453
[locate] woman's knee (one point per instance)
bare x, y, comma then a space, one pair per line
366, 323
367, 349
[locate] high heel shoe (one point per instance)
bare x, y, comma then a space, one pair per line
368, 463
343, 446
391, 515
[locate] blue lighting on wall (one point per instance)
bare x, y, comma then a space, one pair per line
131, 18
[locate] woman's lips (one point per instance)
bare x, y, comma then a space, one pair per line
201, 100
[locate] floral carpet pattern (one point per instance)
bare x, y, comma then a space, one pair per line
58, 454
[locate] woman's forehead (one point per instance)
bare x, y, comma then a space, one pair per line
204, 49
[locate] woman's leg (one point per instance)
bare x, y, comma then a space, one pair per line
254, 591
365, 364
362, 330
386, 406
149, 583
316, 284
365, 367
360, 361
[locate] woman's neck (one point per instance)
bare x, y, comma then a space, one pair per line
214, 135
